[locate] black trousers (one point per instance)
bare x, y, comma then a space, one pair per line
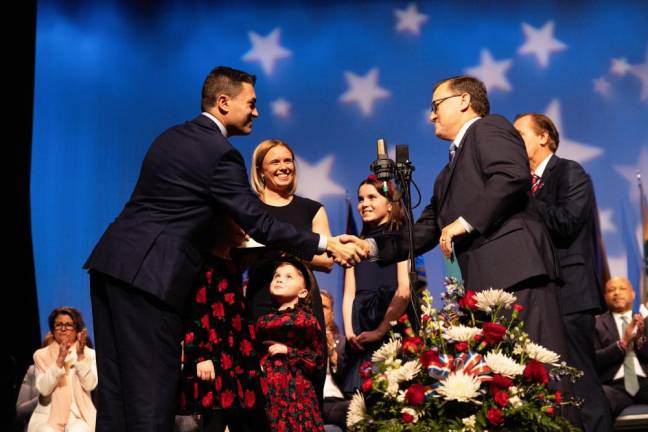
137, 340
621, 399
595, 414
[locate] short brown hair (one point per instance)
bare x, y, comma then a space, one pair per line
256, 167
541, 124
474, 87
223, 80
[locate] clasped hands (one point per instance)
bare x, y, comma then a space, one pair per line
634, 331
347, 250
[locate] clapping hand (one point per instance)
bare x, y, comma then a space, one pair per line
82, 338
64, 348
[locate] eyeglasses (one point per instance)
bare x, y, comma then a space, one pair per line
64, 326
436, 103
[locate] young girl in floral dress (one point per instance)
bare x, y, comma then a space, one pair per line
294, 351
221, 369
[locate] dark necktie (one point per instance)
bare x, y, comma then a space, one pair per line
451, 152
536, 183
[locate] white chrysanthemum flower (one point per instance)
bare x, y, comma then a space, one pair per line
388, 350
412, 412
357, 411
489, 299
459, 386
502, 364
395, 376
460, 333
516, 402
541, 354
401, 396
469, 422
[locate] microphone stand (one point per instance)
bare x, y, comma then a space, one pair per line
403, 177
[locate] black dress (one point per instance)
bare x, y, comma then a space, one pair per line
300, 213
374, 291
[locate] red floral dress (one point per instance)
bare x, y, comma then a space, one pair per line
218, 330
291, 401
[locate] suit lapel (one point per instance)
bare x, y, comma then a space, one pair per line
452, 165
611, 326
547, 177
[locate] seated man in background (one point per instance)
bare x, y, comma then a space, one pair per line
335, 406
621, 348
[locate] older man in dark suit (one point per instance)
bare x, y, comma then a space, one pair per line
479, 208
563, 196
147, 260
621, 348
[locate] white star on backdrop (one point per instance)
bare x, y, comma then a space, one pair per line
619, 66
602, 87
618, 265
314, 180
567, 148
410, 20
605, 220
491, 72
267, 50
541, 42
629, 172
364, 90
281, 108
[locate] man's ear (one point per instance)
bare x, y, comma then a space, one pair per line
544, 138
465, 101
222, 103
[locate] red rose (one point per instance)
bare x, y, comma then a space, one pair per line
226, 398
249, 399
558, 397
403, 319
407, 417
468, 301
518, 307
366, 385
495, 417
550, 410
425, 318
429, 357
218, 310
478, 338
461, 346
415, 394
534, 371
493, 332
207, 400
412, 345
201, 295
189, 337
502, 381
501, 398
222, 285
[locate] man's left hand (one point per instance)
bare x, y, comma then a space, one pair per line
455, 229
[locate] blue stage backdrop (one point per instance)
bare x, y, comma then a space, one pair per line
332, 77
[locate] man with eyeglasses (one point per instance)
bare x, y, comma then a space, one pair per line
479, 210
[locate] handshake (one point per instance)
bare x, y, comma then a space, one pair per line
347, 250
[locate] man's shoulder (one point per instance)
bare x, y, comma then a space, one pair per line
494, 120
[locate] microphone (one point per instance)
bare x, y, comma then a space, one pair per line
383, 167
402, 155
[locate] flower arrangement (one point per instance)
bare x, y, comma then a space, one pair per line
469, 367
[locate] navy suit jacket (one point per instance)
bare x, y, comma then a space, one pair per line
486, 183
609, 357
567, 205
191, 176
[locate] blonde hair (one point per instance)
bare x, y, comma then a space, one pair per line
256, 168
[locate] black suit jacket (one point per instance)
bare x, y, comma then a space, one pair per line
567, 205
609, 357
486, 183
190, 177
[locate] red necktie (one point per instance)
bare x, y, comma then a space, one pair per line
536, 183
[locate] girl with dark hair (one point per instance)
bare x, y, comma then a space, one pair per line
294, 351
374, 296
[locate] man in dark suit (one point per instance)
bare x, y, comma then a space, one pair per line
479, 208
563, 196
621, 348
147, 260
